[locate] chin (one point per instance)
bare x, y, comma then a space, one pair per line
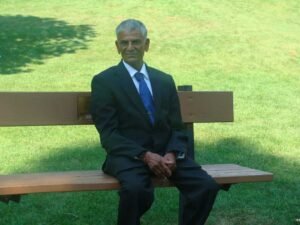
131, 61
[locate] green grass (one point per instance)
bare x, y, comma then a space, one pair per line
249, 47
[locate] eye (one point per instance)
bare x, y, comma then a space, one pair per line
136, 42
123, 43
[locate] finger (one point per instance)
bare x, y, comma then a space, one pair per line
170, 163
166, 171
161, 170
157, 170
172, 167
159, 173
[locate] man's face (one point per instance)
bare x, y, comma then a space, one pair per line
132, 45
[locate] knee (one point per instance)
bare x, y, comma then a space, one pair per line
212, 186
206, 187
138, 191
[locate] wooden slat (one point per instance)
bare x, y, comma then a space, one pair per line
232, 173
39, 108
72, 108
97, 180
206, 106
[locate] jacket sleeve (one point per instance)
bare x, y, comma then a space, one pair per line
179, 140
105, 117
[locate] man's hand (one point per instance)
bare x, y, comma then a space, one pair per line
158, 164
170, 160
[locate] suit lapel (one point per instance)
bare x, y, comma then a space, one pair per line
156, 89
129, 89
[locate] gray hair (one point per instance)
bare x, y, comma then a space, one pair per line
131, 25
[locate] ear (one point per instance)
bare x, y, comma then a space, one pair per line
147, 44
117, 45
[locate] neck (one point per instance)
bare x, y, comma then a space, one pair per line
137, 66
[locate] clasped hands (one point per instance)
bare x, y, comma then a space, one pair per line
161, 166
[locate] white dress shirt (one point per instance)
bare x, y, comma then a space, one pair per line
132, 71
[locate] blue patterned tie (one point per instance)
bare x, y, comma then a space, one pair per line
145, 95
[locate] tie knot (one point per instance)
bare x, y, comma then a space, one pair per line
139, 76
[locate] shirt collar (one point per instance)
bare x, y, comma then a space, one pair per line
132, 71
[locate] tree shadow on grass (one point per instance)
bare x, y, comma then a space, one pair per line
232, 150
272, 202
63, 208
30, 40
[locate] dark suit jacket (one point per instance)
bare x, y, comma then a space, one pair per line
122, 121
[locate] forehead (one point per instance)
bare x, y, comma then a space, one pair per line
130, 35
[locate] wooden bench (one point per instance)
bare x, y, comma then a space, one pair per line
71, 108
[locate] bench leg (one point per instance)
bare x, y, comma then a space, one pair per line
7, 198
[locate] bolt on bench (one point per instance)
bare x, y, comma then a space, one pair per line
71, 108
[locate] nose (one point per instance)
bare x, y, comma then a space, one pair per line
130, 45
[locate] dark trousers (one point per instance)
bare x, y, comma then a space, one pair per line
198, 189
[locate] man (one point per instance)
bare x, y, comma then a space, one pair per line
136, 111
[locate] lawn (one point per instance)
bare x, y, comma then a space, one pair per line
249, 47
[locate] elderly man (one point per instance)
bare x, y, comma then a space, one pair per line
136, 111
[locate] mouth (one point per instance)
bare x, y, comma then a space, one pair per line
131, 55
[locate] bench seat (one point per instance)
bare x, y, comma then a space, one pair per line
93, 180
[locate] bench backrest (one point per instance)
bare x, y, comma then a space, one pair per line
72, 108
